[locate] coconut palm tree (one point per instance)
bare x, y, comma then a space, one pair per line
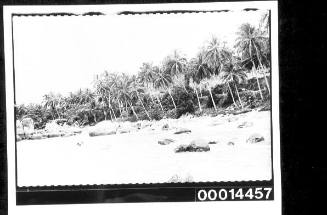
176, 66
50, 101
216, 54
232, 73
135, 89
123, 91
198, 70
164, 81
250, 43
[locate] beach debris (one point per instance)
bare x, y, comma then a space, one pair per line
245, 124
165, 141
165, 126
232, 119
198, 145
182, 130
255, 138
101, 133
230, 143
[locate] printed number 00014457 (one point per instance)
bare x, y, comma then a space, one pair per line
258, 193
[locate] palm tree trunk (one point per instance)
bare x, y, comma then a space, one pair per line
230, 90
213, 102
95, 117
238, 95
133, 110
266, 80
172, 99
113, 112
259, 59
111, 118
256, 75
105, 114
200, 91
160, 103
119, 106
197, 96
152, 99
146, 112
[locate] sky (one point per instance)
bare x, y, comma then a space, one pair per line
63, 54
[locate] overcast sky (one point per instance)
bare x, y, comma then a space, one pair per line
63, 54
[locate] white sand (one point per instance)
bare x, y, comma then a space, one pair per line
138, 158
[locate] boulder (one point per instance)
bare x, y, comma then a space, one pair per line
165, 126
104, 128
255, 138
245, 124
182, 130
165, 141
230, 143
28, 125
198, 145
213, 142
101, 133
19, 127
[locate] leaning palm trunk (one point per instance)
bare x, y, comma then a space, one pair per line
266, 80
197, 96
95, 117
113, 113
160, 103
146, 112
238, 95
256, 75
213, 102
230, 90
264, 75
133, 110
172, 100
111, 117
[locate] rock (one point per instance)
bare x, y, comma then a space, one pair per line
230, 143
198, 145
165, 127
213, 142
232, 119
242, 111
255, 138
18, 138
245, 125
165, 141
104, 128
101, 133
19, 127
28, 125
182, 130
36, 137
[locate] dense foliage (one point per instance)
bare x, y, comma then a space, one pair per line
216, 78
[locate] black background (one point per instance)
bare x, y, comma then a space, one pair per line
302, 46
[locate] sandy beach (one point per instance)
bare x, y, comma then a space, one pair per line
136, 157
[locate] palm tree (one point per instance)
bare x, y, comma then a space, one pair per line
198, 70
210, 83
135, 89
216, 55
123, 91
232, 73
51, 102
163, 81
250, 43
176, 65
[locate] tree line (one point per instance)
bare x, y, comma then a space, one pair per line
216, 77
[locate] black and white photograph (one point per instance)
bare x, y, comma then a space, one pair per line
151, 96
